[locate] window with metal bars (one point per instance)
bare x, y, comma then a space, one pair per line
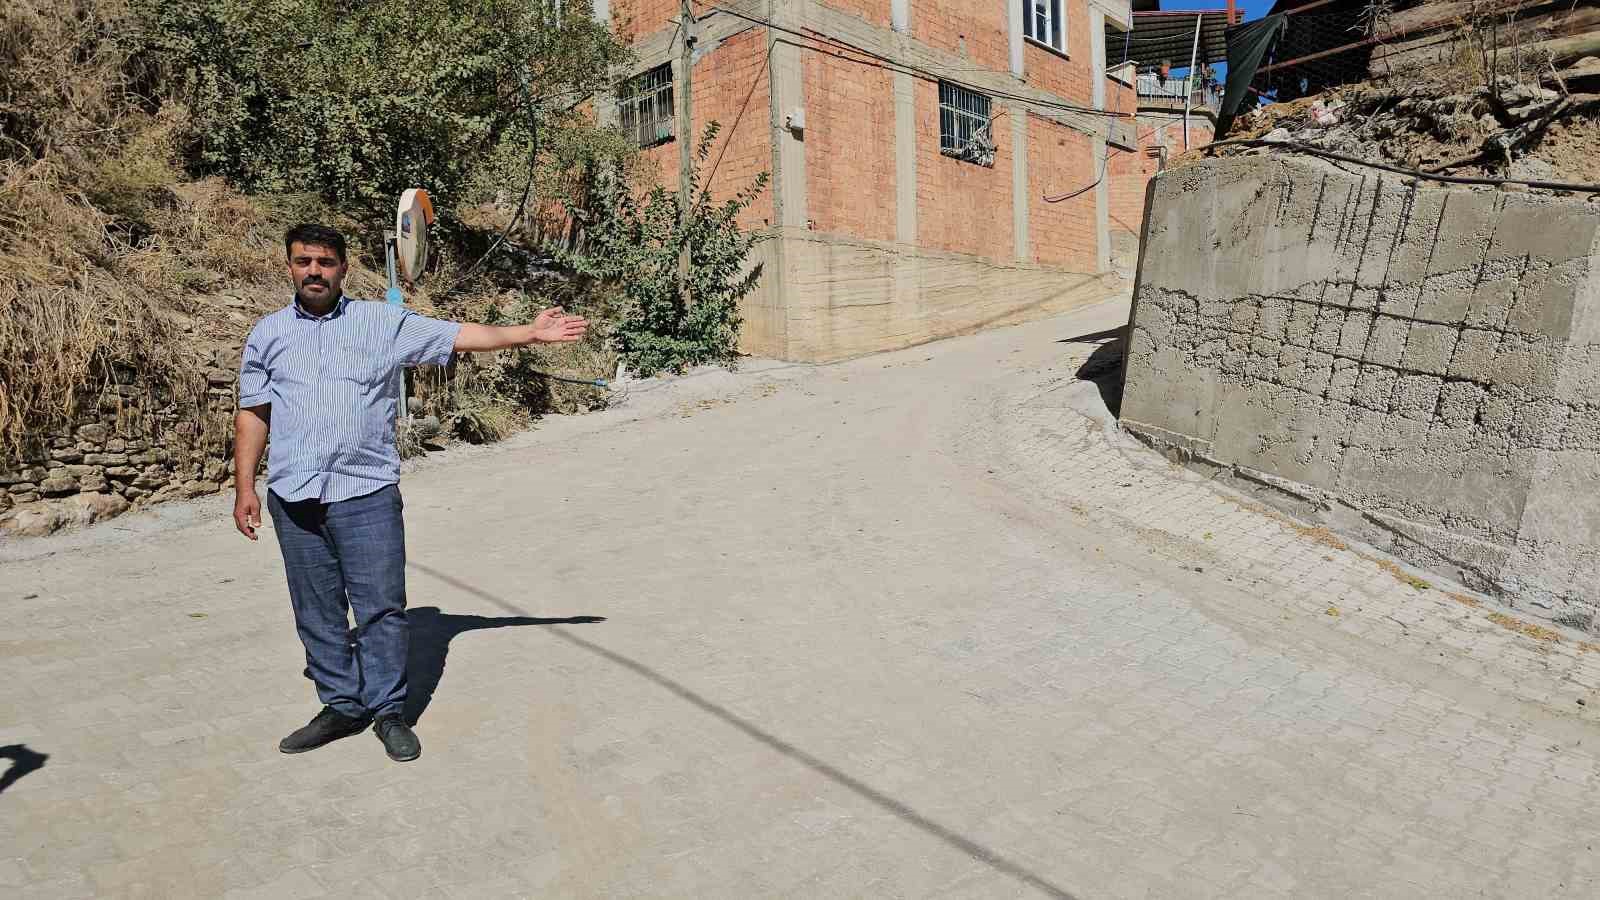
645, 105
964, 124
1044, 23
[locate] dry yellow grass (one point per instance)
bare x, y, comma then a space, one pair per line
1402, 576
1537, 632
112, 261
67, 322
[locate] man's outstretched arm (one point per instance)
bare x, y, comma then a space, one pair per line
250, 427
553, 326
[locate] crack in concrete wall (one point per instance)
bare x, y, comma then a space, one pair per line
1418, 360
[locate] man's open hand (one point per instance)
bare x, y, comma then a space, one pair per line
247, 513
554, 326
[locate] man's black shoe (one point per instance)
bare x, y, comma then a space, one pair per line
325, 728
398, 739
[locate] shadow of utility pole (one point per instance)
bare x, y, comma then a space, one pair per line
431, 634
986, 855
23, 761
1104, 366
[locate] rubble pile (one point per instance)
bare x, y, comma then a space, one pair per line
1508, 130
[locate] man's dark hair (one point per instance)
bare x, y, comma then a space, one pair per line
311, 233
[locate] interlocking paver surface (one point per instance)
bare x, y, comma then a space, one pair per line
917, 625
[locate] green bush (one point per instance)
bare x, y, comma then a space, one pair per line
634, 244
360, 100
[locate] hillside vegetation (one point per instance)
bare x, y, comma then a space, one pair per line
152, 154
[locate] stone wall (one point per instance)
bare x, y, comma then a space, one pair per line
1416, 365
128, 447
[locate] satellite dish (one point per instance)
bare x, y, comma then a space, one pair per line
411, 221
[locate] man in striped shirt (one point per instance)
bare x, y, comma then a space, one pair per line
319, 374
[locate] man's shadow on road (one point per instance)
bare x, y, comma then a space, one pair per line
23, 761
431, 633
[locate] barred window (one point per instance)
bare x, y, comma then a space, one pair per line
1043, 22
964, 122
645, 104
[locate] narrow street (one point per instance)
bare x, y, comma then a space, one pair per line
916, 625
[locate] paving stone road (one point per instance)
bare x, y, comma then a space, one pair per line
917, 625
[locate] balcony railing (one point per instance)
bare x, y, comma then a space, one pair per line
1171, 92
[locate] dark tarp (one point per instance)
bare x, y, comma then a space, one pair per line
1248, 45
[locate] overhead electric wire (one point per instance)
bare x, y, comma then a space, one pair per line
1106, 162
705, 191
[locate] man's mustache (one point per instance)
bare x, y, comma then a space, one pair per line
313, 280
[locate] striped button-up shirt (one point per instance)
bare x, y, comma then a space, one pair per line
330, 381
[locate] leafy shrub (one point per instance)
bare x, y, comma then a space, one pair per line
362, 100
635, 243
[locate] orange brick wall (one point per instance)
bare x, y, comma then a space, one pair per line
874, 11
1128, 172
850, 143
850, 161
961, 207
1060, 161
984, 25
635, 19
1070, 76
730, 87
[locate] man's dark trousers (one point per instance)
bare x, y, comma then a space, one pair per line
341, 556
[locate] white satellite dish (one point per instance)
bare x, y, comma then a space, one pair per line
411, 221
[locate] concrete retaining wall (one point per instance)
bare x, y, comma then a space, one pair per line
1418, 366
827, 297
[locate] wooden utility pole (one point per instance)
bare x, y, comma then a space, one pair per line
685, 141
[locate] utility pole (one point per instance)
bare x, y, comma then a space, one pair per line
1189, 77
685, 142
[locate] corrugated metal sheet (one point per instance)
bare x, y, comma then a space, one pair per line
1169, 35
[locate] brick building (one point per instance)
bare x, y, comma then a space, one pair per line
1171, 119
938, 166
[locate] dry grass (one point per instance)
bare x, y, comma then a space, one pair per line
67, 322
104, 278
1537, 632
1320, 534
114, 267
1404, 577
68, 88
1489, 46
75, 138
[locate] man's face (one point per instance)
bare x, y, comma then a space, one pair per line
317, 273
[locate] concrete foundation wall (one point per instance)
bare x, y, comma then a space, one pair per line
1418, 366
827, 297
